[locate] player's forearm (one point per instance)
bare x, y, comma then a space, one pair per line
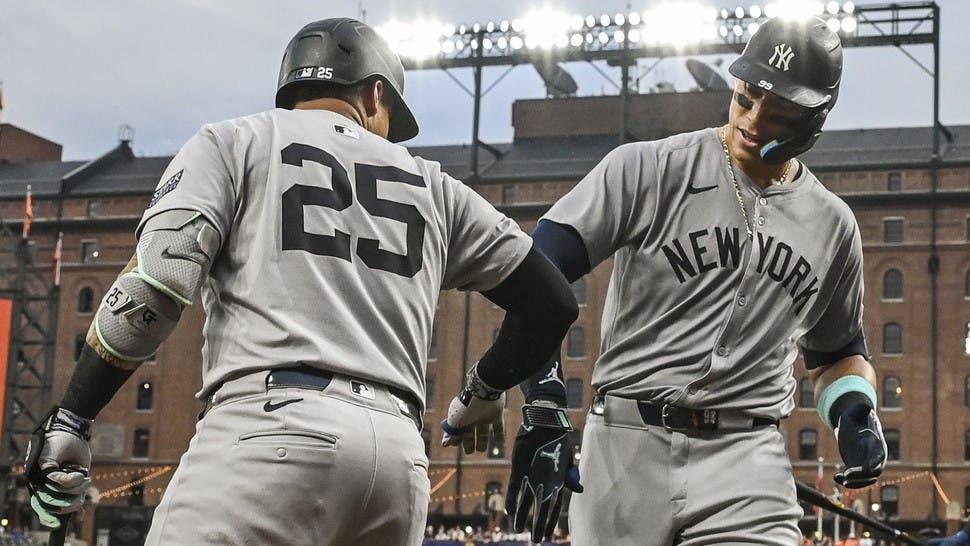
540, 308
843, 383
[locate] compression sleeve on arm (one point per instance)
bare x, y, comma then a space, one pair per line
539, 309
564, 247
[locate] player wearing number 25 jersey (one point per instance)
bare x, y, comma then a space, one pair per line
318, 247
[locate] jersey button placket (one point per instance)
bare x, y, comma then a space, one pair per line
722, 351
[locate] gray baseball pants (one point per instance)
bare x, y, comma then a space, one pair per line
334, 468
647, 486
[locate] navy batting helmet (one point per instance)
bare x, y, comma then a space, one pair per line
801, 62
345, 52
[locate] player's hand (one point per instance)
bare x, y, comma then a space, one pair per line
862, 446
542, 467
58, 466
476, 412
960, 539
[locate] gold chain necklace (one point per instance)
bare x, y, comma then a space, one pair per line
737, 187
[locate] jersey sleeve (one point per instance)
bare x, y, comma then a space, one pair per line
484, 245
841, 321
200, 178
613, 205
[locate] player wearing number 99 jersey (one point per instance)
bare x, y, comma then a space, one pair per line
319, 248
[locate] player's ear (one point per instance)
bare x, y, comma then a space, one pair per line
373, 95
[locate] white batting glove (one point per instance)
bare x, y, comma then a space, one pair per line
58, 466
477, 411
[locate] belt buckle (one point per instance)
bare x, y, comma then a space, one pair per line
664, 414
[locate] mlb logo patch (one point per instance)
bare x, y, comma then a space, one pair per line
345, 131
362, 390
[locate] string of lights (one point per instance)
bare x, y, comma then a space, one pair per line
115, 491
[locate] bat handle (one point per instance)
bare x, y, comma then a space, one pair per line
58, 535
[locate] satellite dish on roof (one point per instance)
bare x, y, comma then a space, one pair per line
558, 82
706, 77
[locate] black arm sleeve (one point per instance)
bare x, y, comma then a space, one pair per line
817, 359
539, 309
93, 384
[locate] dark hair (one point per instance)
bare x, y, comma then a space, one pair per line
313, 90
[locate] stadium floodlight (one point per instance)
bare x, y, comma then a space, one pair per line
590, 21
605, 20
517, 25
832, 7
619, 37
755, 11
576, 40
462, 29
418, 40
723, 31
504, 26
589, 38
476, 27
546, 27
848, 7
849, 25
739, 12
771, 10
834, 24
753, 27
503, 42
487, 44
448, 30
620, 19
604, 37
738, 31
515, 43
635, 35
634, 18
576, 22
447, 47
679, 24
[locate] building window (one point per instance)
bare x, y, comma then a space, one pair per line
576, 439
892, 339
966, 497
137, 495
574, 393
90, 251
966, 394
892, 285
496, 447
889, 499
576, 342
808, 445
433, 347
893, 230
967, 234
966, 340
579, 291
78, 346
894, 181
146, 396
966, 285
892, 444
139, 447
892, 392
966, 446
508, 194
85, 300
806, 393
429, 391
94, 208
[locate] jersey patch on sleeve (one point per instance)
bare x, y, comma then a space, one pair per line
345, 131
168, 186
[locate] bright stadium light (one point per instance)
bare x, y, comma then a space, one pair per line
447, 47
619, 37
738, 31
589, 38
490, 27
487, 44
723, 31
531, 42
605, 20
832, 7
576, 40
576, 22
462, 29
724, 14
604, 37
504, 26
634, 35
517, 25
679, 24
755, 11
771, 10
753, 27
848, 7
739, 12
634, 18
561, 40
619, 18
476, 27
547, 27
799, 9
590, 21
503, 42
448, 30
515, 42
834, 24
418, 40
849, 25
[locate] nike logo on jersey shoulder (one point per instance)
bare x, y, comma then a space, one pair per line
692, 189
270, 406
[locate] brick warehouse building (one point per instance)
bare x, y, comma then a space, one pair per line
884, 175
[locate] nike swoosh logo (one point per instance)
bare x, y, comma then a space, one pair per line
270, 406
166, 253
693, 189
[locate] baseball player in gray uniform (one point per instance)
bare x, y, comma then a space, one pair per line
319, 248
729, 258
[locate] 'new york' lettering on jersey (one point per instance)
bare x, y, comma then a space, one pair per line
696, 313
335, 248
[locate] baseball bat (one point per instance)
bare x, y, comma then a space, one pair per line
58, 535
811, 495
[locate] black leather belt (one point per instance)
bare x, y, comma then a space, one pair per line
307, 377
678, 418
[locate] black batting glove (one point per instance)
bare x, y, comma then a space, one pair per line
542, 468
862, 446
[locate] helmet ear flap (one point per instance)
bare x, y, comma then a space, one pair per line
806, 134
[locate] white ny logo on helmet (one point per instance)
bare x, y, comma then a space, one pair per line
781, 57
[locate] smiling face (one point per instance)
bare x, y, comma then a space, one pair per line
758, 117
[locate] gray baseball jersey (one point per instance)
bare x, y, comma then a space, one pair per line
335, 244
696, 313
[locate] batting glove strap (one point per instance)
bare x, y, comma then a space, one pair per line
546, 415
68, 421
861, 445
475, 387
